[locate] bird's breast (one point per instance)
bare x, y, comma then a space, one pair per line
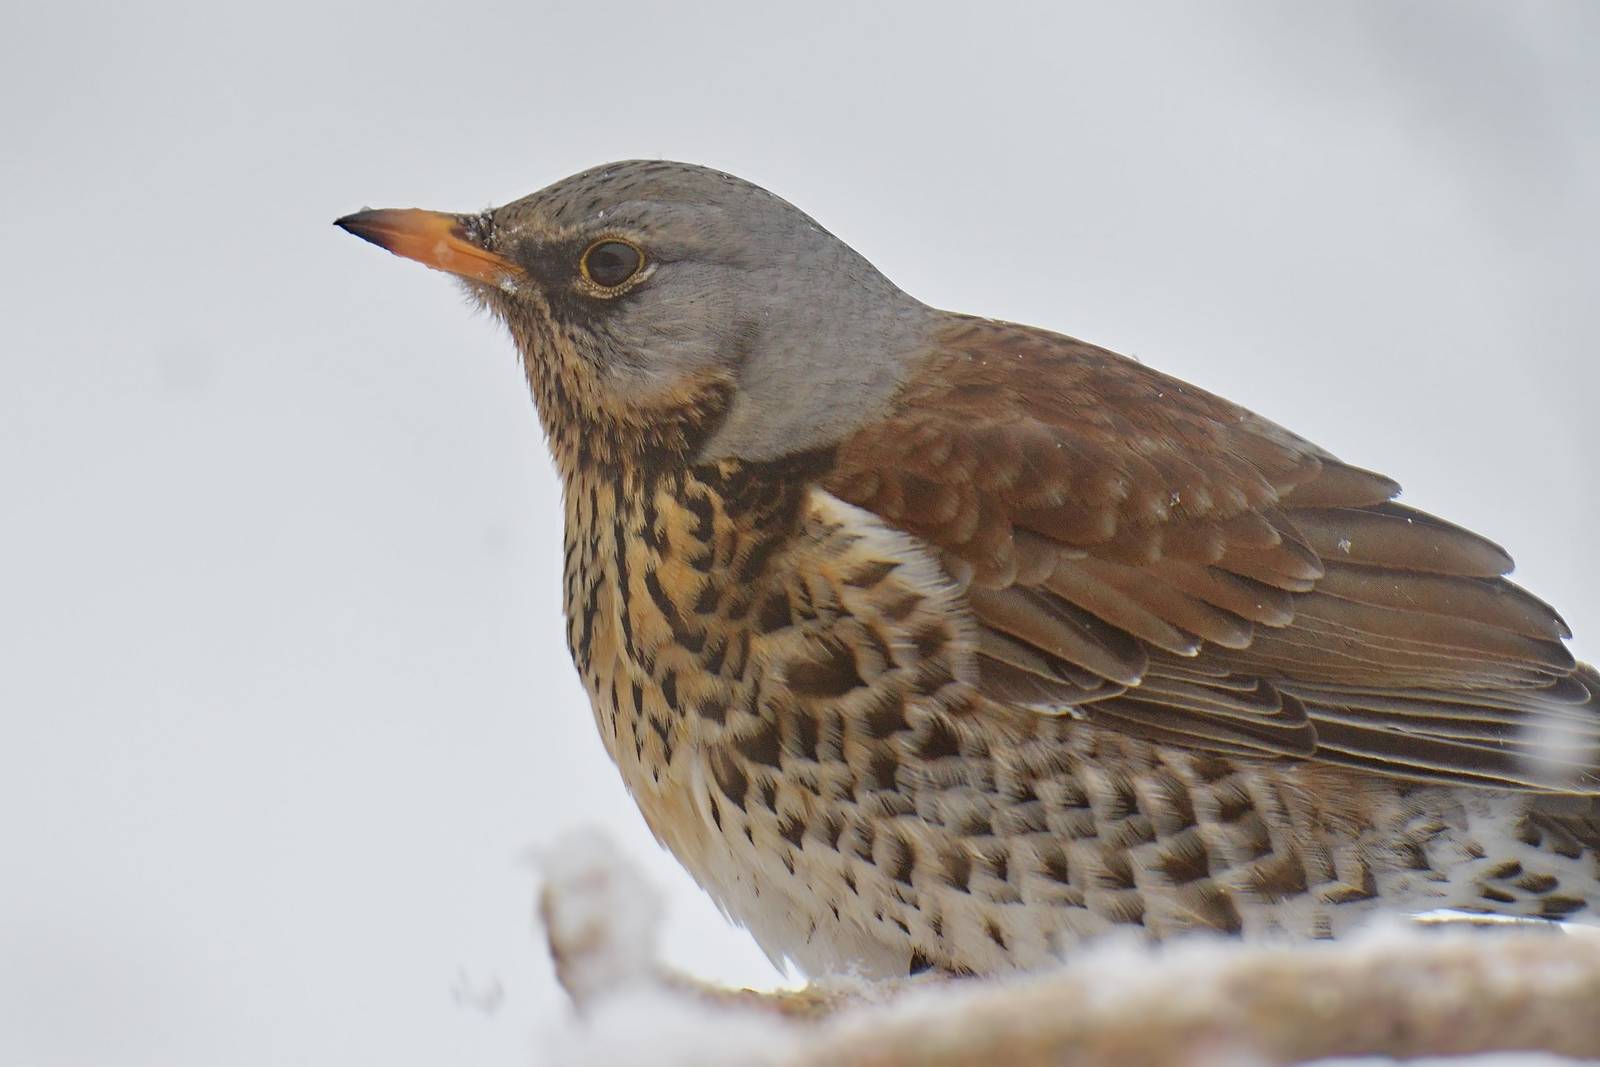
667, 592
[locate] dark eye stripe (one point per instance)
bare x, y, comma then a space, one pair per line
610, 263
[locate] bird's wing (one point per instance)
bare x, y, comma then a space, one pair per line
1164, 562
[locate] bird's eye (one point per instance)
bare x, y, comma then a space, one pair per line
610, 263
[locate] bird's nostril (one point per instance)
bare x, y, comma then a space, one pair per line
479, 228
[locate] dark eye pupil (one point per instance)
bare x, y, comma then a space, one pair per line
610, 263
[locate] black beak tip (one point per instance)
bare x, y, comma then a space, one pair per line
358, 225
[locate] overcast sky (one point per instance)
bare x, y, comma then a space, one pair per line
284, 693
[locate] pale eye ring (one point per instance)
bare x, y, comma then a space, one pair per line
611, 263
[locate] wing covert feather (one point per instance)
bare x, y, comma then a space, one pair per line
1163, 561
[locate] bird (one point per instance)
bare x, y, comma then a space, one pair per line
931, 644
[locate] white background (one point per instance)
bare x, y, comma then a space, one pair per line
283, 690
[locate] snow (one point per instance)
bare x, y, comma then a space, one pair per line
1559, 747
602, 918
1488, 1059
666, 1029
602, 921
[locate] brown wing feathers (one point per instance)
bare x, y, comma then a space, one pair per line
1174, 566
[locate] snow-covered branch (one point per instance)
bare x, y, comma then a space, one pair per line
1399, 992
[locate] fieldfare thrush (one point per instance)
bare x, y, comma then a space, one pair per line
927, 641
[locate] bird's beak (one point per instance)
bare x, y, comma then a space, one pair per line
433, 239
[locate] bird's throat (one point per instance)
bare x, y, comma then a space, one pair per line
666, 581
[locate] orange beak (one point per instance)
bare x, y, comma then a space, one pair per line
433, 239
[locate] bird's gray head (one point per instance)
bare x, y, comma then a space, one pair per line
640, 291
